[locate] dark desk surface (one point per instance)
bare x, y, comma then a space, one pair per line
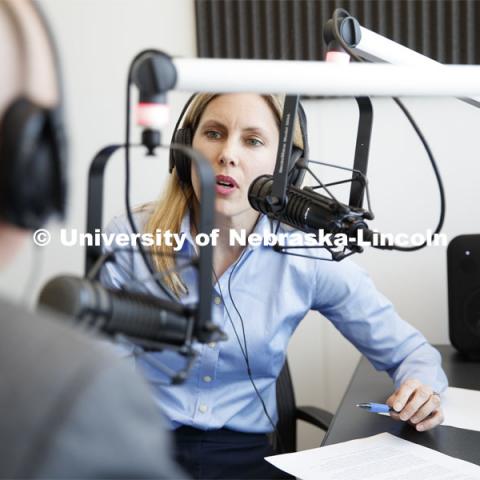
369, 385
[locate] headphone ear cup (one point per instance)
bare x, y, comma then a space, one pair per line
182, 164
296, 173
30, 172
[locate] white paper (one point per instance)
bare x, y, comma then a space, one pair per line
461, 408
380, 457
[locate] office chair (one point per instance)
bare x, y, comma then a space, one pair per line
289, 413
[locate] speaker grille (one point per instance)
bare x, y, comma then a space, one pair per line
292, 29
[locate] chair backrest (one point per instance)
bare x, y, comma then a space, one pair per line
286, 407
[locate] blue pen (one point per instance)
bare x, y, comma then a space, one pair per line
375, 407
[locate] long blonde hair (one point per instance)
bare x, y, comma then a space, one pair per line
179, 198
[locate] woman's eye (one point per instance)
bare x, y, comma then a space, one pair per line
213, 134
254, 141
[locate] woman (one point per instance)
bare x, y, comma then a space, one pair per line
224, 410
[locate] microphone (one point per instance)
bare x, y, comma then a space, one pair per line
154, 74
149, 321
309, 211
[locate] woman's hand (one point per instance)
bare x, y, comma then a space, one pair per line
418, 404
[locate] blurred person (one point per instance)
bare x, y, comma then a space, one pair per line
68, 408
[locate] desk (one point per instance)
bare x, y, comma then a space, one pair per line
369, 385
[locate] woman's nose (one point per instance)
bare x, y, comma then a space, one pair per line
228, 155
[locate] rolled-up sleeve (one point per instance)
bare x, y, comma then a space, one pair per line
348, 298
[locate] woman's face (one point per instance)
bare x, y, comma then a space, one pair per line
238, 134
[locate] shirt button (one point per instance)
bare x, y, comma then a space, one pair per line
207, 378
217, 300
203, 408
212, 344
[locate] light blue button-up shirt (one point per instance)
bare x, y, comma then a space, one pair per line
272, 292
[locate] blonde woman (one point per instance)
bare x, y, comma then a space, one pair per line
225, 409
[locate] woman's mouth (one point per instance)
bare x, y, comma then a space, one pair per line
225, 185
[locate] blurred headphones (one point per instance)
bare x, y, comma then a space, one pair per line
33, 155
184, 136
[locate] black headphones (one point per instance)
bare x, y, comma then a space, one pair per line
33, 157
184, 136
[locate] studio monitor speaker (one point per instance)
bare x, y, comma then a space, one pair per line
463, 268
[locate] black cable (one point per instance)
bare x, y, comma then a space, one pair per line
127, 183
437, 176
336, 32
244, 349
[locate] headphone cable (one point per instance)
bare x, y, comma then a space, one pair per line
128, 208
244, 349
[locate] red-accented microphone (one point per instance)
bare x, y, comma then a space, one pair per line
152, 115
154, 74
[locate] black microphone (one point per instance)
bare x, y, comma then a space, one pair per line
147, 320
309, 211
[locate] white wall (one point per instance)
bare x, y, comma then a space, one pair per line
98, 39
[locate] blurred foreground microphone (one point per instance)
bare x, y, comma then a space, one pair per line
309, 211
147, 320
